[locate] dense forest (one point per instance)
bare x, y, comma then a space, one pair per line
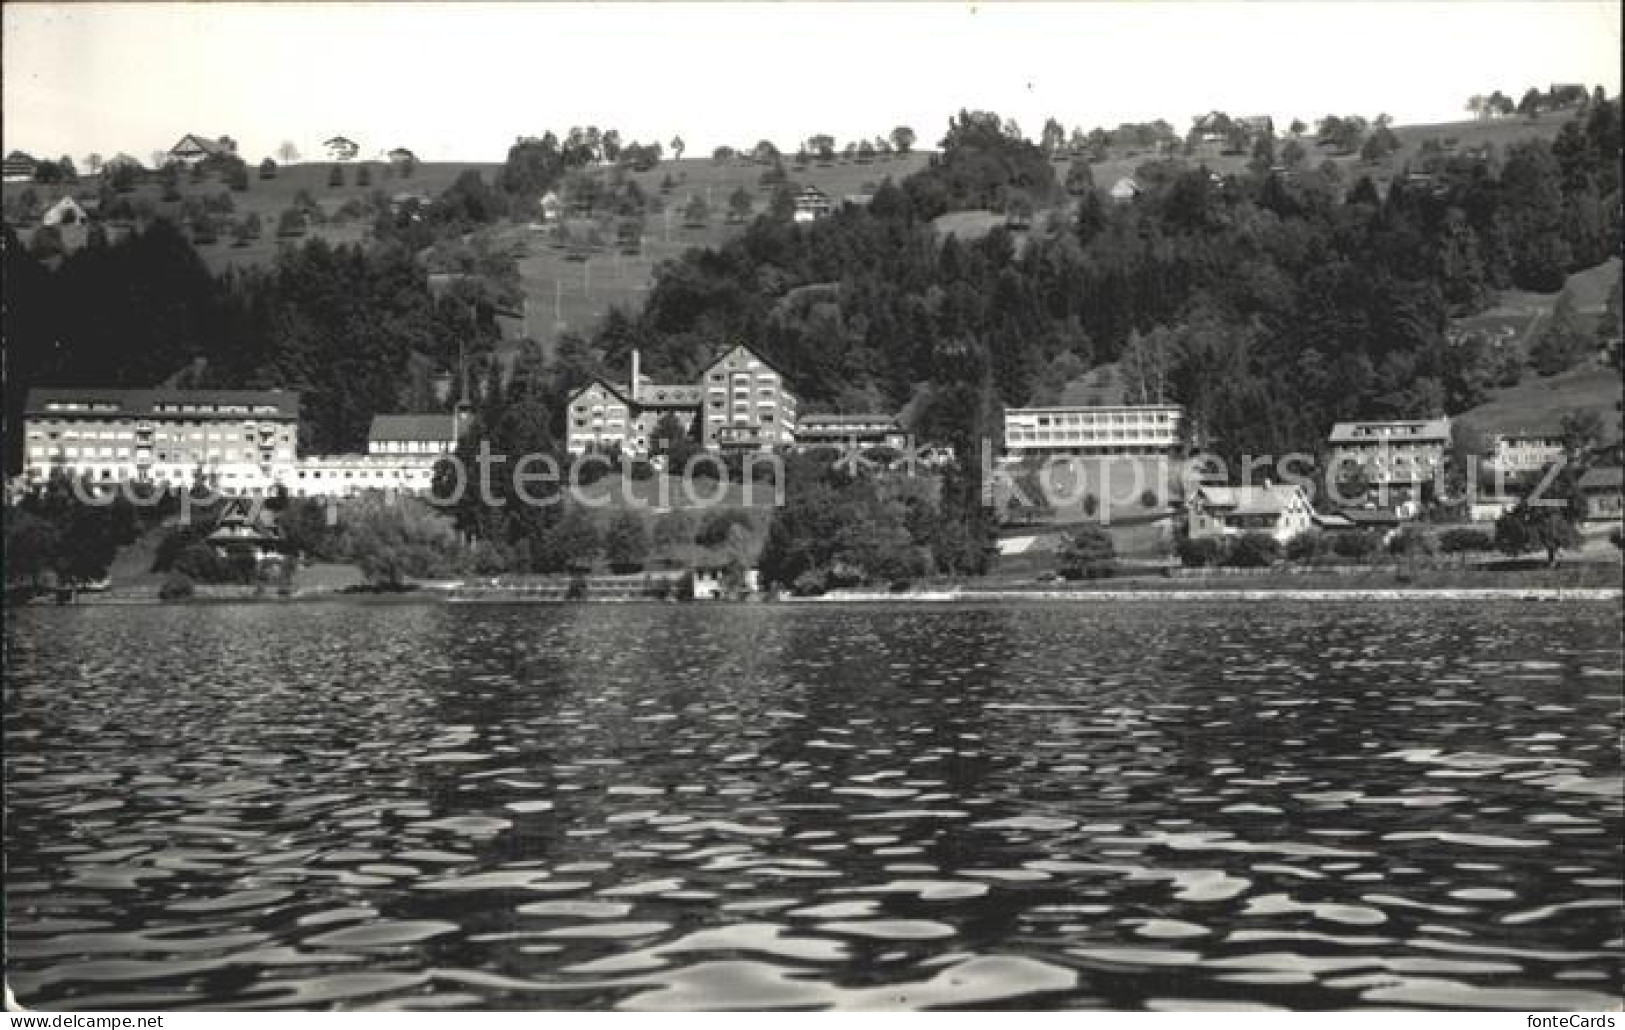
1270, 304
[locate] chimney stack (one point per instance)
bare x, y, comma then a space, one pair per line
635, 376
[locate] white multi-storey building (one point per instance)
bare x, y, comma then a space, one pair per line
402, 451
1151, 429
1524, 453
237, 440
1405, 453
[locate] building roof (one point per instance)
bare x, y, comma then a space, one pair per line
92, 400
433, 426
1078, 409
1251, 500
1601, 479
720, 358
669, 395
1371, 516
208, 146
18, 157
1416, 430
613, 390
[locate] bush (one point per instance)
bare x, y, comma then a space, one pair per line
809, 584
1254, 551
717, 524
1306, 546
1089, 554
1149, 499
1360, 545
177, 587
1200, 552
1412, 542
1463, 540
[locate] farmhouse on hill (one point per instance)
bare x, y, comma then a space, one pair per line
812, 204
19, 167
193, 148
1124, 190
66, 211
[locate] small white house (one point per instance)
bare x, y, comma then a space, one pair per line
66, 211
1124, 190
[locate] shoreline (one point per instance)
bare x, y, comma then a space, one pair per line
1226, 594
954, 596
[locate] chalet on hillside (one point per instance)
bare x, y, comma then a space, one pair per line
66, 211
1124, 190
19, 167
1210, 127
193, 148
341, 148
812, 204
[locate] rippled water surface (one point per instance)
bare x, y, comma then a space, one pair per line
1303, 806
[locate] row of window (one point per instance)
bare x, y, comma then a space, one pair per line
107, 407
1062, 436
1119, 418
122, 434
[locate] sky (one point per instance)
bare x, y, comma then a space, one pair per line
462, 81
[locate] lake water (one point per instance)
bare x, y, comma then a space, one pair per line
644, 806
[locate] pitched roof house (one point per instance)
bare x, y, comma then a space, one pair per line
65, 211
1124, 190
1281, 511
193, 148
19, 167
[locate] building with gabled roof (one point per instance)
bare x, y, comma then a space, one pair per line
1394, 452
19, 167
812, 204
193, 148
1124, 190
741, 402
1280, 511
66, 211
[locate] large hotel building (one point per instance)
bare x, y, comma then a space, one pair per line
238, 441
740, 403
1148, 429
243, 439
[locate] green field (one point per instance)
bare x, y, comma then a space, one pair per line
1538, 404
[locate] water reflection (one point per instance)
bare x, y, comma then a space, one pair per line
669, 807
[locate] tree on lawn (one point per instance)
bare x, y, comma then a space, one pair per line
677, 148
902, 138
288, 153
739, 205
695, 213
1563, 340
1536, 526
626, 543
268, 169
1088, 554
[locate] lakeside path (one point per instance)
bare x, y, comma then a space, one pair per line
1357, 594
